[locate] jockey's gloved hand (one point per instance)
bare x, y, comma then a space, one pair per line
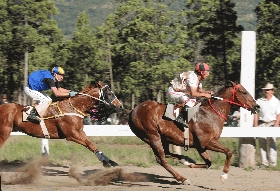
72, 93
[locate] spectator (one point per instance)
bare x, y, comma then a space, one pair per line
4, 99
269, 116
236, 117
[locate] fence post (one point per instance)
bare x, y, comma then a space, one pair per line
248, 66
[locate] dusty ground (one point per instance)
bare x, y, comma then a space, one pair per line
45, 177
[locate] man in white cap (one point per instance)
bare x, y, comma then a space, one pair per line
269, 116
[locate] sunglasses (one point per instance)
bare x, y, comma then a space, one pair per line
268, 90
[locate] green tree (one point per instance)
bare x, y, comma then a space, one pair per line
5, 38
82, 65
149, 49
35, 39
214, 25
268, 42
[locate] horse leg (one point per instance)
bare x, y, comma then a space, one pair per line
214, 145
205, 155
185, 160
81, 138
5, 132
167, 152
156, 145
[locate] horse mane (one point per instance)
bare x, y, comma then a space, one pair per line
92, 85
87, 89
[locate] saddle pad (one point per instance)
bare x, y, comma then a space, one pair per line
192, 111
169, 112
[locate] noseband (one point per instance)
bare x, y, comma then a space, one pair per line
232, 102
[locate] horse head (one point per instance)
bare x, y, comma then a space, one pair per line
108, 95
241, 97
101, 101
99, 92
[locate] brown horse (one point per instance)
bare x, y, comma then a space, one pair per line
63, 119
147, 122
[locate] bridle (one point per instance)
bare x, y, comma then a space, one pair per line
232, 102
101, 98
113, 96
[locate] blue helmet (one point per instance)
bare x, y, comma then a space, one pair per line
58, 70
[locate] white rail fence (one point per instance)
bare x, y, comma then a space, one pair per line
124, 130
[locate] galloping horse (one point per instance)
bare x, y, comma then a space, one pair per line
147, 122
63, 119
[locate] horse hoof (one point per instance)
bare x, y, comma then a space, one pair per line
224, 177
187, 182
106, 164
113, 163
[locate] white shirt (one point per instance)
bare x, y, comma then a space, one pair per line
185, 81
269, 109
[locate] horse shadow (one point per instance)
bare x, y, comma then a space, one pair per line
139, 179
135, 177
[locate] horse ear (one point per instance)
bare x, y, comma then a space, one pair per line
95, 83
99, 84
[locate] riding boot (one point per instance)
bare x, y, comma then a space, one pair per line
34, 116
180, 119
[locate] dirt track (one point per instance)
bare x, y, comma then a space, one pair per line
34, 176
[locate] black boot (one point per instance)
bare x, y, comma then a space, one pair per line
180, 119
34, 116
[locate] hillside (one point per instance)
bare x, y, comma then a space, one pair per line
98, 10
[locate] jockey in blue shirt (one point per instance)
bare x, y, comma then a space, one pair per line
39, 81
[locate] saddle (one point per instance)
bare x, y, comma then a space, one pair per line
173, 112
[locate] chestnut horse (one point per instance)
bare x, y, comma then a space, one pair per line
147, 122
63, 119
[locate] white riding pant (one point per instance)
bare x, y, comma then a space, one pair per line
268, 145
180, 97
43, 99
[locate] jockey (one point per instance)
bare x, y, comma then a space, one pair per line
187, 87
40, 80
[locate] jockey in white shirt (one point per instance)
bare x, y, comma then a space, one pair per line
188, 87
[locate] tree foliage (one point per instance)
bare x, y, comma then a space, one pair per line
27, 28
268, 41
149, 48
138, 48
214, 26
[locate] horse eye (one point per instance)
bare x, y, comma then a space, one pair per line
244, 92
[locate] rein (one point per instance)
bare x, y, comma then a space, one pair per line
229, 101
80, 113
101, 95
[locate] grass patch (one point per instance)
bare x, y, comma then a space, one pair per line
123, 150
